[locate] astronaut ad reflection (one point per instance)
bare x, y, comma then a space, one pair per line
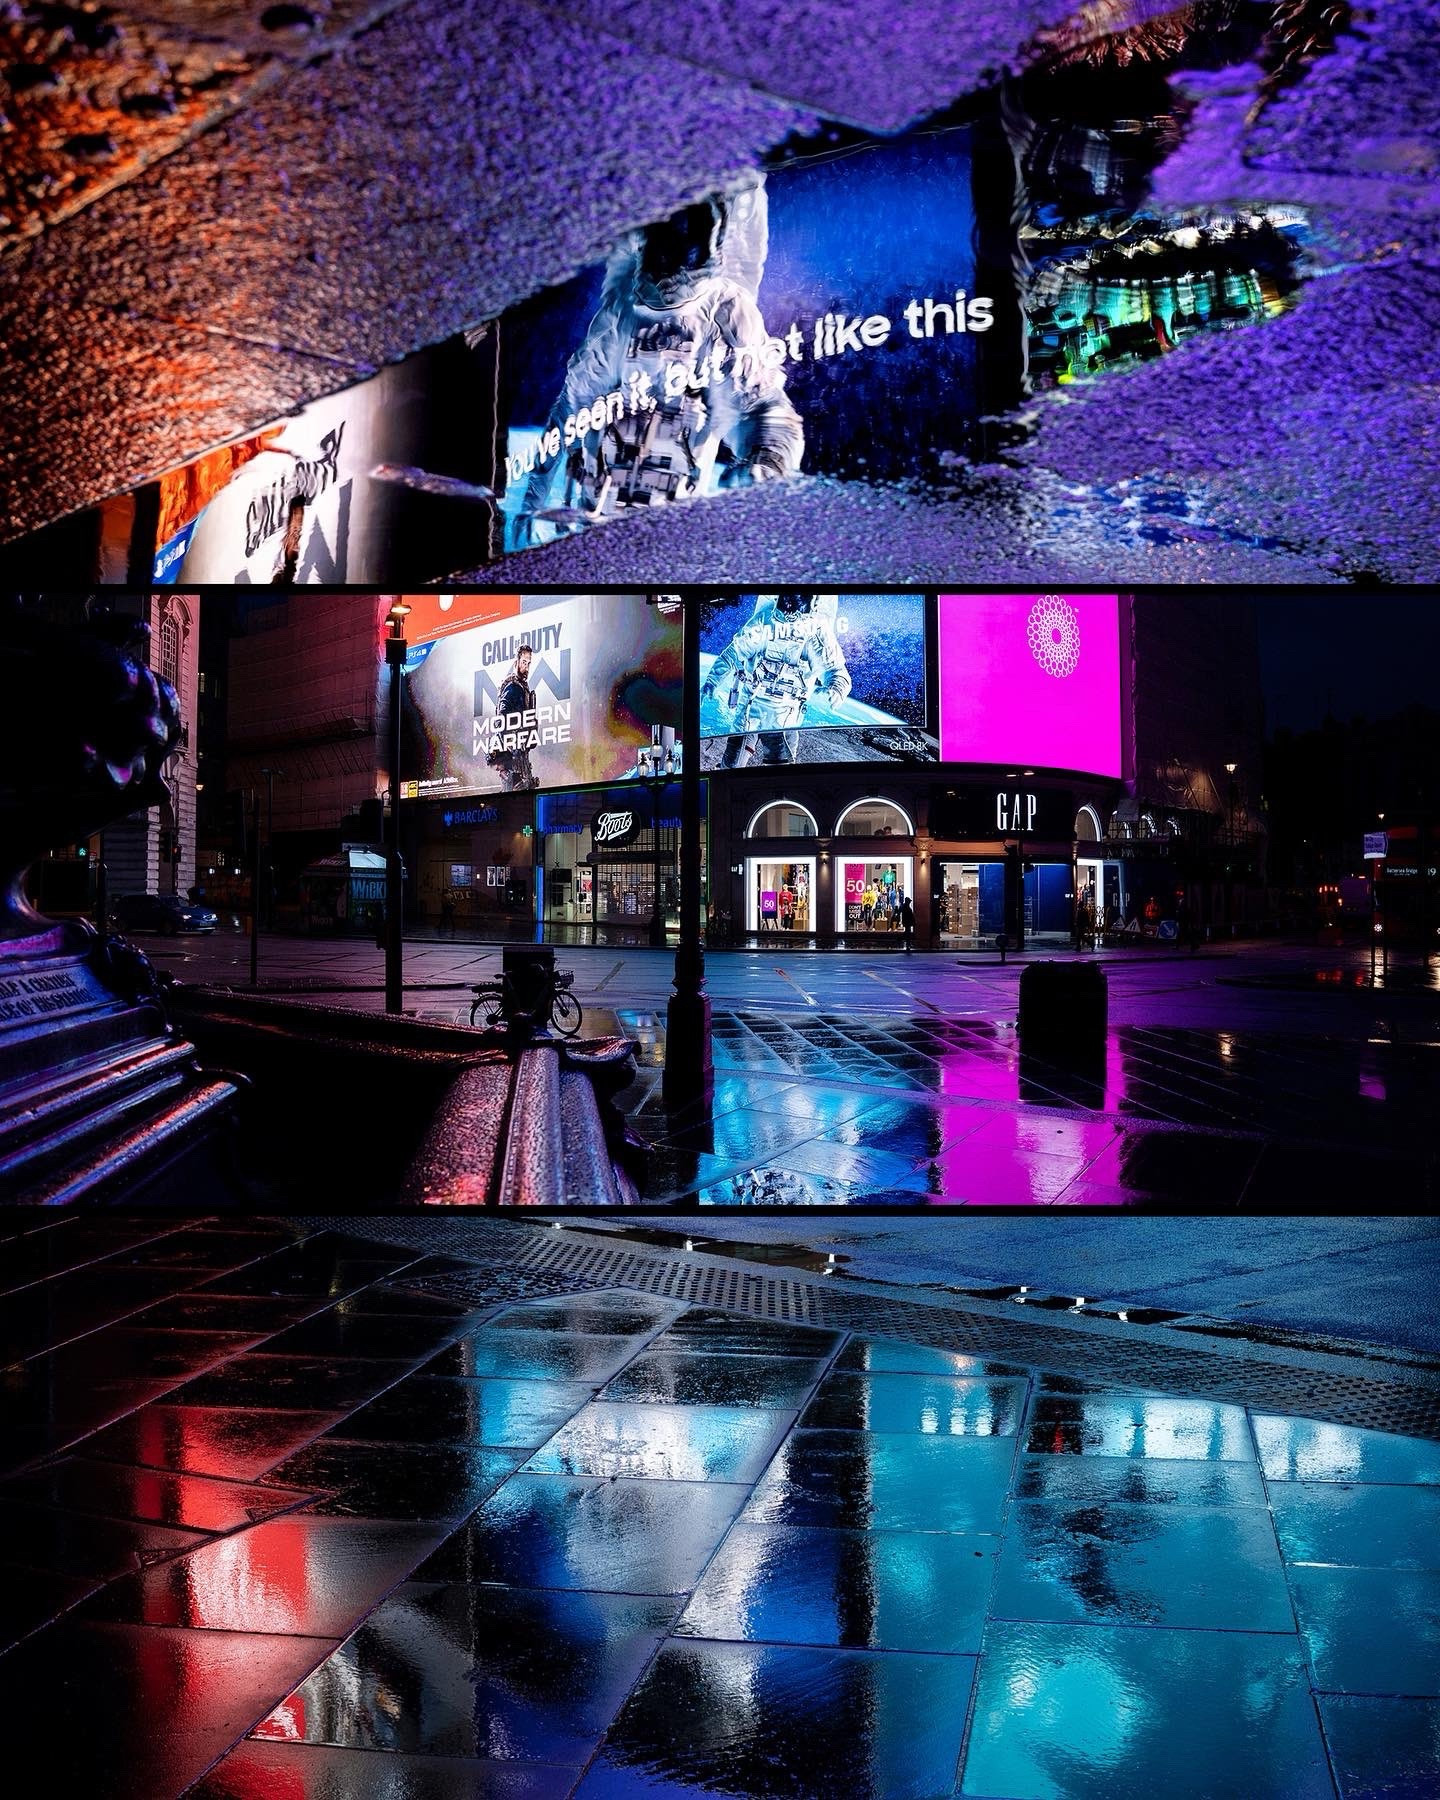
801, 676
675, 366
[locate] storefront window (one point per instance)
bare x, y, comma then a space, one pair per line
781, 894
473, 868
872, 893
610, 855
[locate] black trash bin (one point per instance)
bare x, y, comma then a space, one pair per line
528, 982
1063, 1008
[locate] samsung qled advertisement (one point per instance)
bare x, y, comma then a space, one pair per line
820, 318
1031, 680
809, 677
542, 691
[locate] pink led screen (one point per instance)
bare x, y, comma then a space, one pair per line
1032, 680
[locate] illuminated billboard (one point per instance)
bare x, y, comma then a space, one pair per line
809, 677
1031, 680
540, 691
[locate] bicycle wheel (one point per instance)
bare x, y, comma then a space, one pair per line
565, 1013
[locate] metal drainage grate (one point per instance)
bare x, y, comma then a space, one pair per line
541, 1261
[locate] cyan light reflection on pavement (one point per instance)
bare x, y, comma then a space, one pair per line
709, 1554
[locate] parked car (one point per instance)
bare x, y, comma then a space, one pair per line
166, 913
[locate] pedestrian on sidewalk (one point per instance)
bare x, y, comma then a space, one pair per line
907, 922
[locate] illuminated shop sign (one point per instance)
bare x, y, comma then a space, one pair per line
1031, 680
809, 677
1004, 812
613, 828
544, 691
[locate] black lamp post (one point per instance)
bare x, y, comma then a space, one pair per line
395, 649
1230, 769
689, 1065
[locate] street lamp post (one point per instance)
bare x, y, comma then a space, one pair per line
395, 649
1230, 769
270, 775
689, 1066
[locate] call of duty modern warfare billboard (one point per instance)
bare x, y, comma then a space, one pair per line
817, 678
541, 691
1031, 680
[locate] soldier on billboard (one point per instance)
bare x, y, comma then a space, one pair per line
516, 696
766, 677
679, 296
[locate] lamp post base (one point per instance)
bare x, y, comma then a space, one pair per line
689, 1065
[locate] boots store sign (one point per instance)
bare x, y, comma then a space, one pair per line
613, 830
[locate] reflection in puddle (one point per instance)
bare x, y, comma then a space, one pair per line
792, 1256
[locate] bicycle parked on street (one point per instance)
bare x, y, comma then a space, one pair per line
551, 1002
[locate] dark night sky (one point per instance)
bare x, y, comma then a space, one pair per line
1353, 653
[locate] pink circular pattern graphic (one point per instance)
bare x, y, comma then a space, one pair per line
1053, 630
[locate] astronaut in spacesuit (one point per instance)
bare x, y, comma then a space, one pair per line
786, 652
680, 336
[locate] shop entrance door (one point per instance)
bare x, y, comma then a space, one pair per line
971, 904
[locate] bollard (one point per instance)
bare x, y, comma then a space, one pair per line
1064, 1009
528, 980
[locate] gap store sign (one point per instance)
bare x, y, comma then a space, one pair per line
1031, 681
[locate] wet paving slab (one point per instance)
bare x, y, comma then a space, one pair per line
714, 1718
700, 1378
299, 1575
1122, 1563
663, 1443
1382, 1748
934, 1405
232, 1443
429, 1409
601, 1534
1200, 1713
112, 1490
296, 1771
533, 1356
885, 1482
859, 1590
448, 1669
956, 1113
392, 1481
608, 1544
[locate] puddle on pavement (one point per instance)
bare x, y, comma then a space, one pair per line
790, 1256
1034, 193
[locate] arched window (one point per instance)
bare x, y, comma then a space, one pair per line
783, 819
874, 818
170, 650
1173, 827
1147, 825
1087, 825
